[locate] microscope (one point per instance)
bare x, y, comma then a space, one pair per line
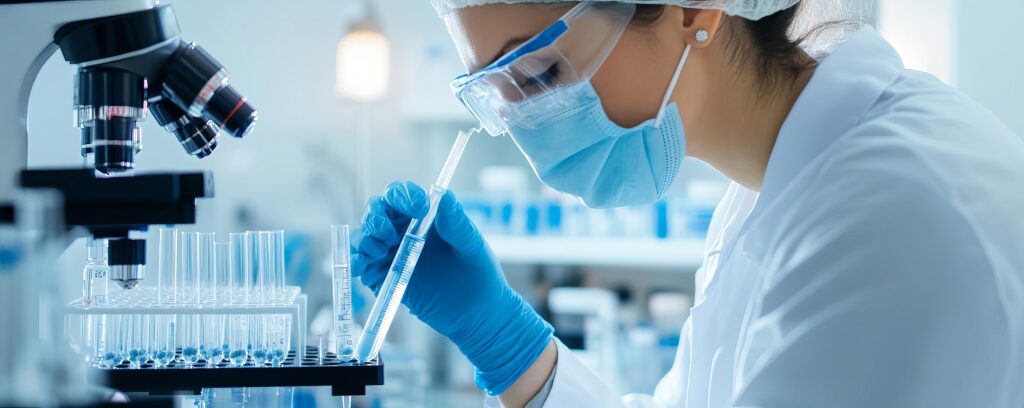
131, 61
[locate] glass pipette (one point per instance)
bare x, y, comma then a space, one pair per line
390, 294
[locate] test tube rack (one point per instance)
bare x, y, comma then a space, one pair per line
349, 378
305, 369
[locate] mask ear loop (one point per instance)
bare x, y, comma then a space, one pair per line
672, 86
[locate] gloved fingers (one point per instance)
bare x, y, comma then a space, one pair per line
365, 251
455, 227
369, 271
368, 245
378, 222
407, 198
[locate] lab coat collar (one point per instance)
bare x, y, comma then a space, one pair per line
844, 87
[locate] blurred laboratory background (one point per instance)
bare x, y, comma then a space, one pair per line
353, 94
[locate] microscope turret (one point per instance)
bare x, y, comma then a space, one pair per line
130, 62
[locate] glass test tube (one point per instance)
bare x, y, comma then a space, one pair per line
238, 340
164, 340
277, 263
266, 260
138, 353
252, 266
207, 264
109, 356
241, 281
167, 266
94, 276
258, 339
277, 339
191, 281
214, 339
204, 335
222, 274
188, 247
100, 339
341, 277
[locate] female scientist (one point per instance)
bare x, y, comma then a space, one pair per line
870, 251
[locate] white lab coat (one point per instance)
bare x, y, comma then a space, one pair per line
882, 264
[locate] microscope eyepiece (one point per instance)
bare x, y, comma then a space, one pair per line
197, 82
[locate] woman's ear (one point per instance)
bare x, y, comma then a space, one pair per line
700, 26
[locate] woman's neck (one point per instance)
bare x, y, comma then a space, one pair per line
738, 128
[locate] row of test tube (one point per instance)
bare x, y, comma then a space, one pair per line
246, 269
185, 340
194, 268
195, 272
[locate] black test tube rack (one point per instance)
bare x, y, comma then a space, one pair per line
350, 378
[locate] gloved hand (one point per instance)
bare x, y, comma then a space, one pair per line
457, 288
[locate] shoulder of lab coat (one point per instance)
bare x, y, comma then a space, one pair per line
888, 281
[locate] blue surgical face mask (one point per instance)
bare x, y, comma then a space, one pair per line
576, 149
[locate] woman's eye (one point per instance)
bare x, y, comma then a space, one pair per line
542, 81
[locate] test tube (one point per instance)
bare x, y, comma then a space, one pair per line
321, 348
188, 247
164, 340
100, 340
266, 260
119, 333
277, 339
258, 339
252, 266
341, 277
222, 275
191, 339
94, 276
241, 281
213, 339
238, 339
277, 263
138, 354
167, 266
109, 355
207, 268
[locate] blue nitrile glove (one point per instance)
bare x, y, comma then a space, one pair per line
457, 288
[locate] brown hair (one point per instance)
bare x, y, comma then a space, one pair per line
765, 43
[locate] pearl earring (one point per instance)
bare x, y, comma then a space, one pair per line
702, 36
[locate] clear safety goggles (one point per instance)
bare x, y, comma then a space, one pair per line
521, 83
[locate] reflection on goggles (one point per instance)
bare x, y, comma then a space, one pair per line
568, 52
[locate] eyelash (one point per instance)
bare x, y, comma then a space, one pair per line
544, 79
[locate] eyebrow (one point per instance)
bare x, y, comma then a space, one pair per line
506, 48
